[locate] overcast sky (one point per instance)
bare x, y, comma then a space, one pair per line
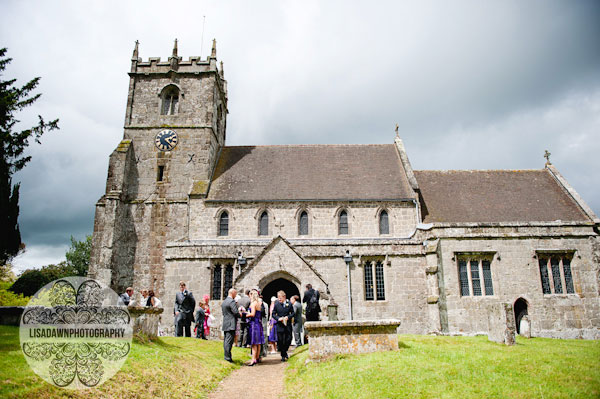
472, 85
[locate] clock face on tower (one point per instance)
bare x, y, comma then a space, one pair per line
166, 140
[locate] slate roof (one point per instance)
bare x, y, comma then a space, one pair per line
310, 172
495, 196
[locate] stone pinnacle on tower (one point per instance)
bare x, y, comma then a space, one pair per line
175, 49
213, 53
135, 55
222, 71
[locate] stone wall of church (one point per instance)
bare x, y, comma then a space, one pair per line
515, 274
363, 219
319, 263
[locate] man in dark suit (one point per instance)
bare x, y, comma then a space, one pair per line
311, 299
283, 311
298, 322
184, 310
230, 312
244, 302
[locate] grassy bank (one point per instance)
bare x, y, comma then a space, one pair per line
165, 368
454, 367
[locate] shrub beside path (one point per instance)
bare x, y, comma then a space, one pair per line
264, 380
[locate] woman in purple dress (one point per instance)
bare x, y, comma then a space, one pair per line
257, 337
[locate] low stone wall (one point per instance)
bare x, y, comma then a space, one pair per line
145, 319
328, 338
11, 315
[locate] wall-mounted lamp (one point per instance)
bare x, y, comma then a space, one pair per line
241, 260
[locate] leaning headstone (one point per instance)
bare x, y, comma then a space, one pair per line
525, 327
501, 323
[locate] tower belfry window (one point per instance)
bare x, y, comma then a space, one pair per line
170, 100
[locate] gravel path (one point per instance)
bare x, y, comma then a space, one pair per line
264, 380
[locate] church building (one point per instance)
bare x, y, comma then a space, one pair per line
379, 240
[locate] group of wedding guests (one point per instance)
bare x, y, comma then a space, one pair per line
248, 321
147, 298
247, 317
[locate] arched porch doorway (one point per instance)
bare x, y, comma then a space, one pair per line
521, 310
279, 284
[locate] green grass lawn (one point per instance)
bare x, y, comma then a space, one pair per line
165, 368
454, 367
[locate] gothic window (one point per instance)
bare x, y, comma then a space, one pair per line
228, 279
216, 282
475, 276
222, 279
555, 273
487, 277
544, 275
343, 223
369, 289
303, 224
379, 281
224, 224
170, 99
263, 225
374, 281
384, 224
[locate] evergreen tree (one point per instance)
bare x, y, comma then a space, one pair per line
12, 158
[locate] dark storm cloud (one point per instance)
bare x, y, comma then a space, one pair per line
473, 85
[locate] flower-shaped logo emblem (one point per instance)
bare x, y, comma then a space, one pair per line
74, 334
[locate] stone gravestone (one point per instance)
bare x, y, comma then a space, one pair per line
525, 327
501, 323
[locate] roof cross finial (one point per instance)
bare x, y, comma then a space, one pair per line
547, 156
397, 135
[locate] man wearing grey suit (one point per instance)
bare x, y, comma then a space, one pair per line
230, 312
184, 310
297, 324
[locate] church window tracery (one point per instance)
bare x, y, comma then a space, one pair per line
374, 281
475, 275
222, 279
303, 224
216, 282
555, 273
263, 224
343, 223
224, 224
384, 224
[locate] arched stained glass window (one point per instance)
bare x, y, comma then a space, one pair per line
384, 224
343, 223
263, 225
303, 224
224, 224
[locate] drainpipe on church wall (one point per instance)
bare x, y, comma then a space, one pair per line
348, 259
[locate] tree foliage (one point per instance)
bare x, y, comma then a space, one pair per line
78, 260
78, 256
12, 158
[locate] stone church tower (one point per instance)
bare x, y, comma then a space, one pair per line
174, 129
